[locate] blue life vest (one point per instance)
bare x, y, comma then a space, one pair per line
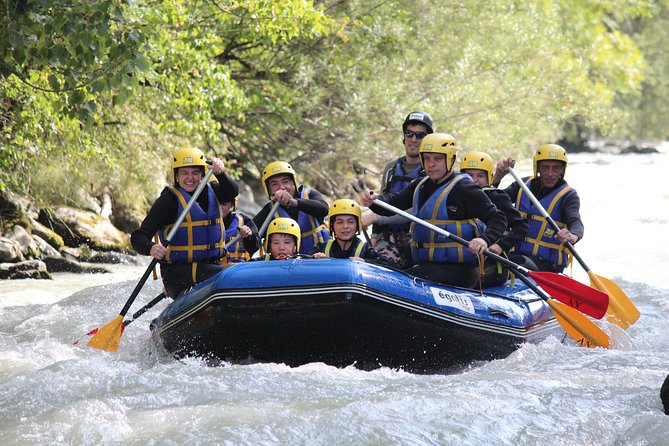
200, 235
236, 251
540, 240
313, 231
359, 250
429, 246
398, 180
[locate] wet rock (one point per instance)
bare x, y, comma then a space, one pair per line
67, 265
29, 247
114, 258
46, 234
12, 204
633, 148
46, 250
126, 219
78, 227
10, 250
29, 269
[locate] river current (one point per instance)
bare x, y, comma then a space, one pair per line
53, 392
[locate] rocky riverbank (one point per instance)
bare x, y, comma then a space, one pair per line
39, 241
36, 242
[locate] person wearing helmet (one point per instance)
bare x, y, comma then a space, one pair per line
480, 167
345, 222
543, 249
303, 204
391, 234
236, 224
283, 239
197, 246
451, 201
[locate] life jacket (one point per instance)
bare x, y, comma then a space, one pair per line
236, 251
430, 246
540, 240
398, 180
200, 236
313, 231
359, 249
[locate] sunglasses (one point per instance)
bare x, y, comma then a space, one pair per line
418, 135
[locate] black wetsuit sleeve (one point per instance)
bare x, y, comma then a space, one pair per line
162, 213
517, 226
315, 205
402, 199
512, 191
226, 189
251, 243
261, 216
467, 200
570, 209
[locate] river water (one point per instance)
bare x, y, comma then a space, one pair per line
52, 392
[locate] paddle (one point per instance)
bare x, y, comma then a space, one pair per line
565, 289
162, 296
108, 337
579, 327
622, 311
268, 219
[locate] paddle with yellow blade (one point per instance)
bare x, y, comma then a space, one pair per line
162, 296
575, 323
622, 311
108, 337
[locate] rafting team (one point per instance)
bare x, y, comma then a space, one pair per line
215, 235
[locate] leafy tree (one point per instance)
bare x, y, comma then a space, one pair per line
98, 93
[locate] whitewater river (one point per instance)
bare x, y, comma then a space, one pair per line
52, 392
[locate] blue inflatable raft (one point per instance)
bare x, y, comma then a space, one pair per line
342, 313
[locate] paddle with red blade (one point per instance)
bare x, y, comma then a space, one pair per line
621, 309
565, 289
579, 327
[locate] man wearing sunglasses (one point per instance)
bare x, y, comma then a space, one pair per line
390, 235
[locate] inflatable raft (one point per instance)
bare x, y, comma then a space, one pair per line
343, 313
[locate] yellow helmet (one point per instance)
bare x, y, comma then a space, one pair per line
551, 152
277, 168
344, 206
283, 225
480, 161
187, 157
439, 143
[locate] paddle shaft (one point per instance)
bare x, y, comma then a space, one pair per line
547, 216
162, 296
621, 306
575, 323
269, 219
144, 309
168, 239
513, 266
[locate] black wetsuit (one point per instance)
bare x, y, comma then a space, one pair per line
178, 277
465, 201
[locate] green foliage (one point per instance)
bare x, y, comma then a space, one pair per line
99, 93
647, 114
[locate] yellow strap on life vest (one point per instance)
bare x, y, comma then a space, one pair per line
189, 224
